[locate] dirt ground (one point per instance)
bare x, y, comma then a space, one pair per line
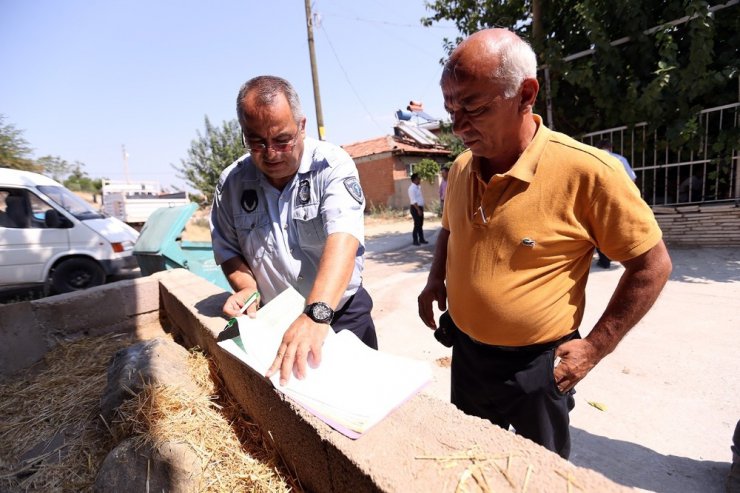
671, 389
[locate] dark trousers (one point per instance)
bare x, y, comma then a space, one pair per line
513, 386
355, 317
604, 261
418, 233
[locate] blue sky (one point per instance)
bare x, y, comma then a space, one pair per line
82, 78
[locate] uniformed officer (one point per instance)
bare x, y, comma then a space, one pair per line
290, 213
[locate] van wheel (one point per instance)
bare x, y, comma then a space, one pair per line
77, 273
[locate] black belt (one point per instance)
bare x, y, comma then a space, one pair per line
532, 347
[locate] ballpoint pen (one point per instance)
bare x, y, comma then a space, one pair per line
252, 298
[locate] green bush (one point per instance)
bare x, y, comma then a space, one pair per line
428, 169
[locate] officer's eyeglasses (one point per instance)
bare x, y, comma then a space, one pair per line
258, 147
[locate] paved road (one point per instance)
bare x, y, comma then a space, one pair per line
671, 389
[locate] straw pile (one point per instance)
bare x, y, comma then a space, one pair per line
231, 448
64, 398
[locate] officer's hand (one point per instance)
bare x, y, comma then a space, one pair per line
301, 344
577, 358
433, 291
235, 302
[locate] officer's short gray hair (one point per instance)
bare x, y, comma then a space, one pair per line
267, 88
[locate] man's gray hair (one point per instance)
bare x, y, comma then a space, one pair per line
267, 87
518, 62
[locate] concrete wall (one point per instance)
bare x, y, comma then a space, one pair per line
715, 225
422, 446
31, 328
425, 445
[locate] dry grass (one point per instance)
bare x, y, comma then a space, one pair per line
482, 469
198, 228
231, 449
64, 398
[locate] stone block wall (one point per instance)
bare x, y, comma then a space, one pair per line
717, 226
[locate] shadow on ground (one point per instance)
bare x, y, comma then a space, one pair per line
625, 463
397, 249
701, 265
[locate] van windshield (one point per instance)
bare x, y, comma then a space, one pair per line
70, 202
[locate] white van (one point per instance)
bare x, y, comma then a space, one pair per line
51, 237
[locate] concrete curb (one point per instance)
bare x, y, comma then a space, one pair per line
413, 449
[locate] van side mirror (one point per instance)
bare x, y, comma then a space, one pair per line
52, 219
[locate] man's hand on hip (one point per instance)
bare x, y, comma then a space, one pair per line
577, 358
301, 345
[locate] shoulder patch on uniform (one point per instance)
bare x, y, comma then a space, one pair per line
352, 185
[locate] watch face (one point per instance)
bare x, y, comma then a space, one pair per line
321, 312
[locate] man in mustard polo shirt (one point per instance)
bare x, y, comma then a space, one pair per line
524, 210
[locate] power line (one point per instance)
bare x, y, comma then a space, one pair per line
346, 76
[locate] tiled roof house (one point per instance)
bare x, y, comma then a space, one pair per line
385, 164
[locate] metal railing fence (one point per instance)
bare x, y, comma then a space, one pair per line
701, 171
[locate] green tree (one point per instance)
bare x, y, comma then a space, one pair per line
428, 169
451, 141
55, 167
14, 148
209, 154
79, 181
643, 67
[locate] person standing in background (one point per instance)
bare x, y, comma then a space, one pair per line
606, 145
416, 199
732, 483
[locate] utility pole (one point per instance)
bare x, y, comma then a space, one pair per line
125, 161
314, 71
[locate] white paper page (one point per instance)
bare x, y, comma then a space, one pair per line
261, 336
355, 386
355, 382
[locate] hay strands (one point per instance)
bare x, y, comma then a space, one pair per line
570, 480
475, 470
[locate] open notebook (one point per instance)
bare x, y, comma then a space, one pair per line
353, 388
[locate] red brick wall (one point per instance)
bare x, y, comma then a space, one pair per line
400, 171
376, 178
385, 181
